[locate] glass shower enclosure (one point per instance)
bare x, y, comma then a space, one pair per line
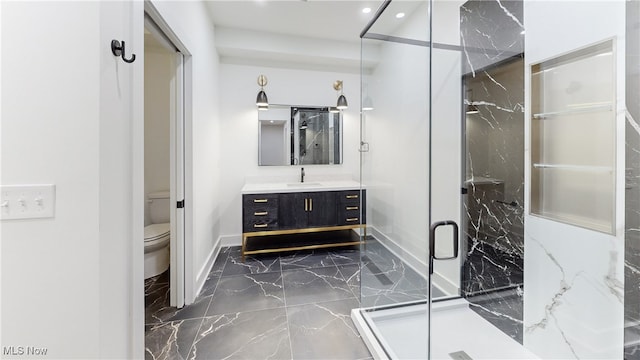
501, 168
434, 199
397, 156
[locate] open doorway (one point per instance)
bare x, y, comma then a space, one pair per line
164, 184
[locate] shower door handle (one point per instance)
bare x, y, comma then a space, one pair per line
432, 242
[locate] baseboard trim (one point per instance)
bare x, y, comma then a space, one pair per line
206, 268
231, 240
411, 260
419, 266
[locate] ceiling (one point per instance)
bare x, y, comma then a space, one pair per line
314, 34
323, 19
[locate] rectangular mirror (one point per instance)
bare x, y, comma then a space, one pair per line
299, 135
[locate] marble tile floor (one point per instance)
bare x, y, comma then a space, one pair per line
284, 306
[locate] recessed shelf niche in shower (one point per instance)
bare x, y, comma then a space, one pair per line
573, 138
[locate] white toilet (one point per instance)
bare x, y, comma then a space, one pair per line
157, 235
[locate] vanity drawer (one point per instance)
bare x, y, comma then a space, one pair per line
259, 212
259, 224
350, 203
349, 197
259, 200
349, 217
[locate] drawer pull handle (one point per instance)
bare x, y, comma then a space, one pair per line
262, 213
260, 200
352, 208
352, 196
260, 225
306, 204
352, 219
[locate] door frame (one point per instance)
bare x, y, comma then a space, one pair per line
182, 290
176, 169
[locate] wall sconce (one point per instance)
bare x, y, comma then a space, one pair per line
342, 100
261, 100
471, 108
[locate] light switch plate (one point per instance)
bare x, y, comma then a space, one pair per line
27, 201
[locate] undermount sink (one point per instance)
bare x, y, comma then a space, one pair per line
307, 184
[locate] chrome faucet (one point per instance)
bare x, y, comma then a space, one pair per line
301, 175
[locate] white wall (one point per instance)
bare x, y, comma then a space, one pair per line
397, 167
44, 130
573, 279
157, 80
190, 22
67, 281
239, 127
446, 157
273, 149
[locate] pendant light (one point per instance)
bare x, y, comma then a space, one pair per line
261, 99
342, 100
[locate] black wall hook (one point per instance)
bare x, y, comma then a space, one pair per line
118, 50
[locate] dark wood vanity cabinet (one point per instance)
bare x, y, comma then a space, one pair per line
349, 205
301, 212
307, 209
260, 212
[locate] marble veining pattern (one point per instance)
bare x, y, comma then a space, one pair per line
286, 306
385, 279
493, 223
244, 335
247, 292
490, 32
171, 340
575, 310
317, 329
297, 306
556, 300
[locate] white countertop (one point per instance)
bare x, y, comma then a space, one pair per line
309, 186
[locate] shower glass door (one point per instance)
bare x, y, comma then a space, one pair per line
395, 173
527, 143
423, 292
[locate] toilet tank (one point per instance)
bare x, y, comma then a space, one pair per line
159, 207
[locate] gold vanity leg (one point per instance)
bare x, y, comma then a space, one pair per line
244, 244
364, 237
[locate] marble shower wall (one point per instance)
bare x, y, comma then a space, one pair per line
574, 279
632, 186
493, 81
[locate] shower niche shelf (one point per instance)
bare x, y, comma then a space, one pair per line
573, 138
584, 109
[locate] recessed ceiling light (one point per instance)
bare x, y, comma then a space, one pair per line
366, 10
399, 15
